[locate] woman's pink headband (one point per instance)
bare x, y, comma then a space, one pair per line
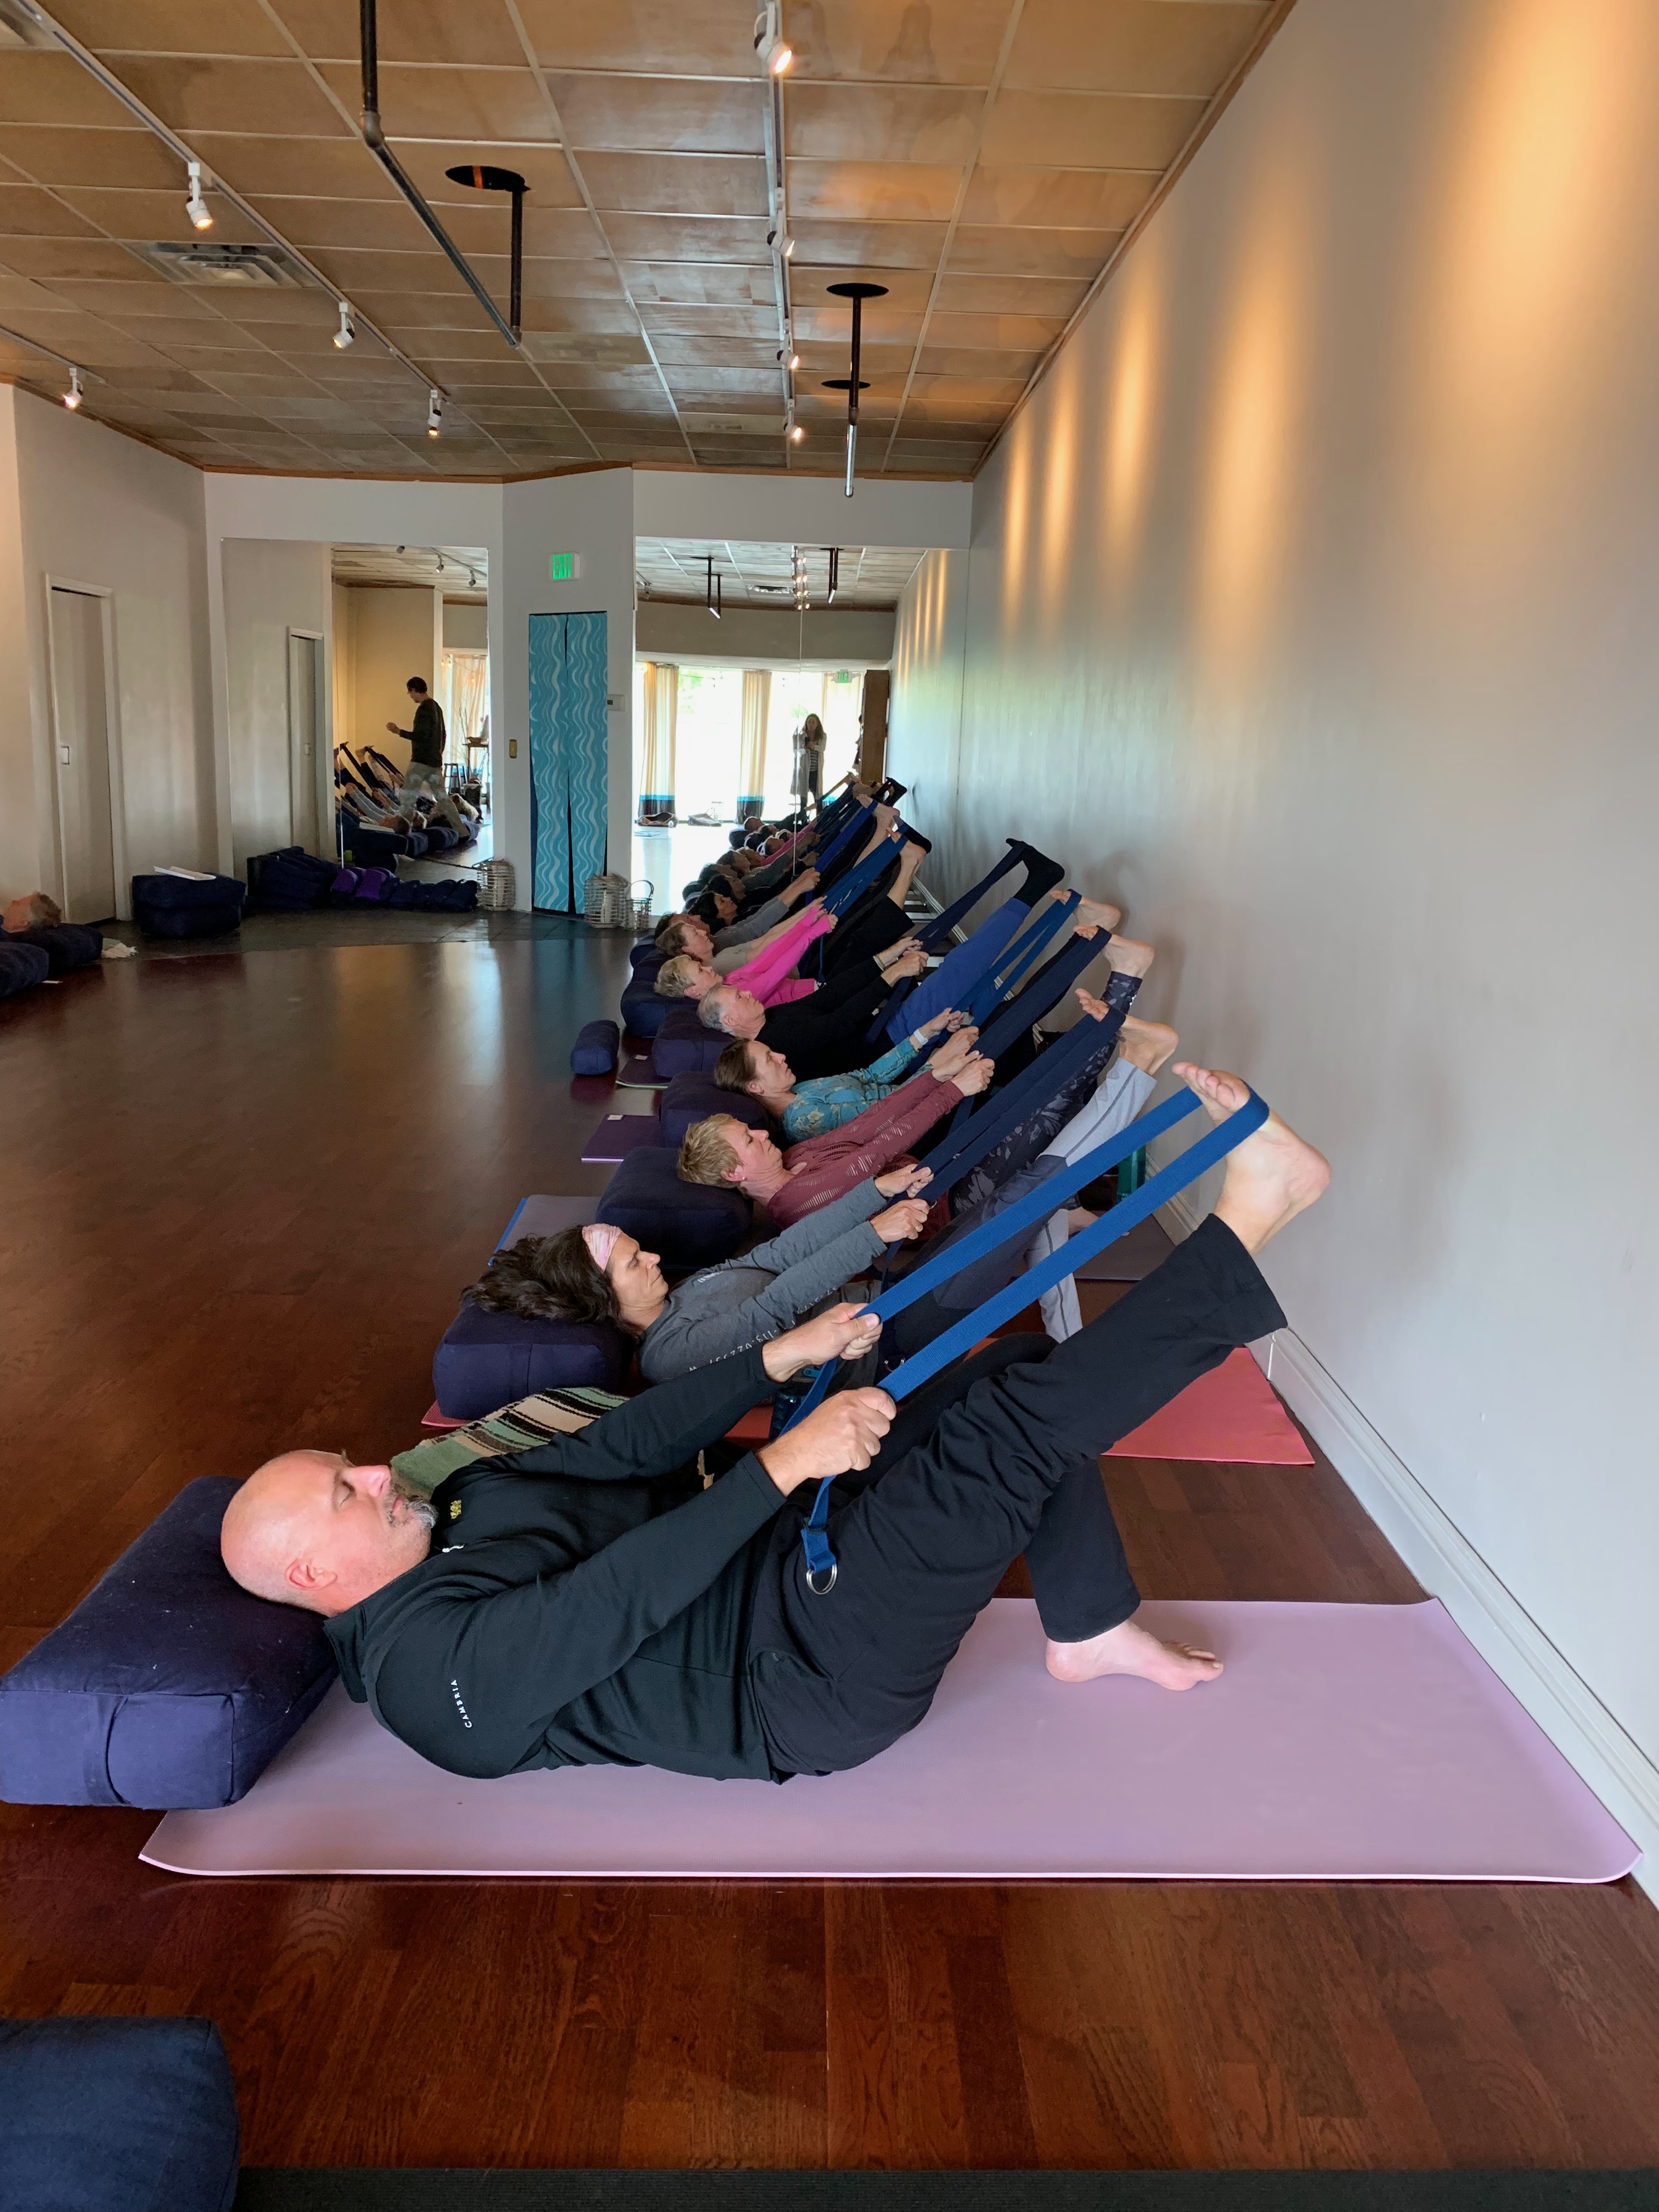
600, 1239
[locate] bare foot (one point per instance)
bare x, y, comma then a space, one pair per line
1271, 1177
1129, 1650
1078, 1218
1145, 1045
1099, 913
1129, 956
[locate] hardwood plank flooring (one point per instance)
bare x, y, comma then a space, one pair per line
244, 1190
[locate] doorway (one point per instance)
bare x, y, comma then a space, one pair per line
80, 713
305, 724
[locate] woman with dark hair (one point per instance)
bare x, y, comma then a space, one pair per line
600, 1274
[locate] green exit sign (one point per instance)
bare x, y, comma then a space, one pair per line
564, 567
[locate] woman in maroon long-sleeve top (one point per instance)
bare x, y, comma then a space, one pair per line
791, 1184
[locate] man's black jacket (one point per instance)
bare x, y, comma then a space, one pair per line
585, 1602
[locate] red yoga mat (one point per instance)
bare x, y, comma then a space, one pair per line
1232, 1413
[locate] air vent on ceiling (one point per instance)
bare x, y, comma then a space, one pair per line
229, 268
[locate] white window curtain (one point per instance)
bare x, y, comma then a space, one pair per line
662, 698
752, 750
464, 695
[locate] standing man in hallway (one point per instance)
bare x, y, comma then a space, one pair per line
425, 771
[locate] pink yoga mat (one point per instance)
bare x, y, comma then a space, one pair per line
616, 1136
1344, 1743
1231, 1413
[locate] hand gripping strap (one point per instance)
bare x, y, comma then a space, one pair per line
1036, 1206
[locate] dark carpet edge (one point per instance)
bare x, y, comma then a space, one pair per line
421, 2189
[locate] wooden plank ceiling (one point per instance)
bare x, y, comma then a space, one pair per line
981, 158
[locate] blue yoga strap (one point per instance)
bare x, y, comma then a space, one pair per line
1020, 1218
840, 842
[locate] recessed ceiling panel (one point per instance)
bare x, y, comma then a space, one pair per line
983, 161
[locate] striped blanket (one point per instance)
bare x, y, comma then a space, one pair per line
515, 1428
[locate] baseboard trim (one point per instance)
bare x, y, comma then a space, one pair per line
1449, 1568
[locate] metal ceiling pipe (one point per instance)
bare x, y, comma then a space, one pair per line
375, 139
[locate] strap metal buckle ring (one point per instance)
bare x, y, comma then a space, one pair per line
811, 1584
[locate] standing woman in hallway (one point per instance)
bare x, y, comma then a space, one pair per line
807, 783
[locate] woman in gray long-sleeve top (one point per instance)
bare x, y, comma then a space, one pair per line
599, 1274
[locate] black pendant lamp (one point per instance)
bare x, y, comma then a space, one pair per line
483, 176
852, 384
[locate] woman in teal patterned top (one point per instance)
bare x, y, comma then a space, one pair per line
807, 1109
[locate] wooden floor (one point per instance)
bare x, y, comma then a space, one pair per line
242, 1193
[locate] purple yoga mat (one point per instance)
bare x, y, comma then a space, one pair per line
616, 1136
1344, 1743
544, 1217
638, 1074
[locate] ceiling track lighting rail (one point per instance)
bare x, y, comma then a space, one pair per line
375, 139
852, 384
69, 44
774, 57
714, 600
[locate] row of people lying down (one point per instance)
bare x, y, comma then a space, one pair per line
844, 1200
638, 1592
634, 1593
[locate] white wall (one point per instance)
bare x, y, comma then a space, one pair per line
1311, 612
95, 509
20, 853
466, 624
395, 635
924, 717
270, 588
591, 514
800, 510
845, 637
341, 511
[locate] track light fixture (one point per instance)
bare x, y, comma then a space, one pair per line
776, 55
434, 412
835, 576
714, 600
347, 332
782, 244
72, 397
195, 207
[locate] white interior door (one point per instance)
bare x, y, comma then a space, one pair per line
81, 739
305, 717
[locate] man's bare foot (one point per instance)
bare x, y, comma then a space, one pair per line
1129, 1650
1078, 1218
1099, 913
1145, 1045
1271, 1177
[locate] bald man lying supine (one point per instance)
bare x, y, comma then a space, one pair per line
591, 1602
